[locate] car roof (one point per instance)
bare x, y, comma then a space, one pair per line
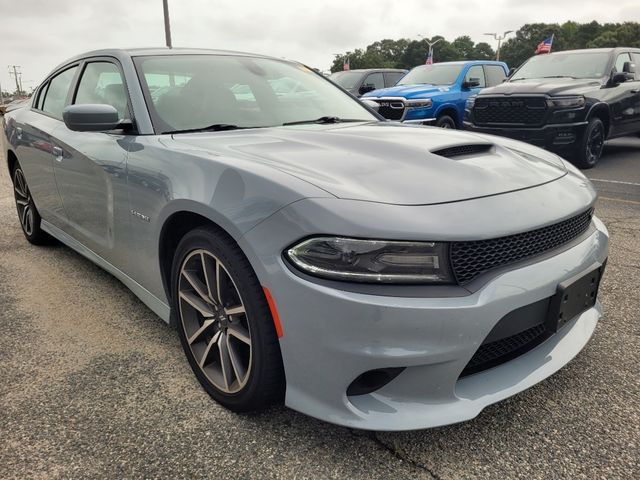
466, 62
366, 70
595, 50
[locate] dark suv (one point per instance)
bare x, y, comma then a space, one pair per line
568, 102
358, 82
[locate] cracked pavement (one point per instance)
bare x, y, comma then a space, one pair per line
94, 385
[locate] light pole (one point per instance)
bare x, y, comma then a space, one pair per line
499, 38
167, 24
431, 44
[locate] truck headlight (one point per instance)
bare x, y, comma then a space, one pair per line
419, 103
372, 261
471, 101
566, 102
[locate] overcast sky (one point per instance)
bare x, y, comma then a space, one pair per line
39, 34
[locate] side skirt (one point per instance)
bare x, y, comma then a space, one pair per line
154, 303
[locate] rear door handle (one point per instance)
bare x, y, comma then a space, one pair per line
57, 152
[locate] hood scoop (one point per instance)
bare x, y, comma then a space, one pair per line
463, 150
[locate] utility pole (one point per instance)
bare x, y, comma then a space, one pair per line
1, 96
167, 24
15, 73
499, 38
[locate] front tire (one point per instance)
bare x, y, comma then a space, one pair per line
224, 322
591, 145
445, 121
28, 215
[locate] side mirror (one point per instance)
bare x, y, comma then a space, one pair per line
629, 67
91, 118
471, 83
366, 88
620, 77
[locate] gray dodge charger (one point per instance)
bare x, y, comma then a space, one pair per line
368, 273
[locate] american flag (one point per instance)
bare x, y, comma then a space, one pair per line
545, 45
429, 58
345, 64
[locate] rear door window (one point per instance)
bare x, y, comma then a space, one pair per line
391, 78
56, 97
620, 61
495, 75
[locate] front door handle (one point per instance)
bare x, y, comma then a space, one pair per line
57, 152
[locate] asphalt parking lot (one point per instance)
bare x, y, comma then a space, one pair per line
93, 384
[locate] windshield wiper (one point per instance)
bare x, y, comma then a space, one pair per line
559, 76
326, 119
216, 127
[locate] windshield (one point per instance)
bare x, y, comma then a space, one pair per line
347, 80
574, 65
432, 74
190, 92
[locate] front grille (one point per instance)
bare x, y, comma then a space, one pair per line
460, 150
391, 109
494, 353
470, 259
527, 111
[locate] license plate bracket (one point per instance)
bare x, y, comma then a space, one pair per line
574, 296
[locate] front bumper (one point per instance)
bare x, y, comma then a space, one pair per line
333, 336
560, 138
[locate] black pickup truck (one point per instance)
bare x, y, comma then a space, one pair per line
569, 102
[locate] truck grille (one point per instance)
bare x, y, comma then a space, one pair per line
527, 111
471, 259
390, 109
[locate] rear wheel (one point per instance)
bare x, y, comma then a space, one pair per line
224, 322
591, 145
27, 212
445, 121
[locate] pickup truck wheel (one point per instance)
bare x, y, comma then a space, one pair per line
224, 322
27, 212
445, 121
591, 145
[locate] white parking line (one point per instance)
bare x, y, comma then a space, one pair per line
614, 181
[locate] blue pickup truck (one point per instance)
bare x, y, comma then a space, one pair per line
436, 94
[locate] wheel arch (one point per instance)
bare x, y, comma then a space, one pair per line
601, 111
12, 159
452, 112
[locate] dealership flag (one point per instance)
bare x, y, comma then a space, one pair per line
545, 45
345, 64
429, 58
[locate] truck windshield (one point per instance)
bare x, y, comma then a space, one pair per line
347, 80
432, 74
558, 65
225, 92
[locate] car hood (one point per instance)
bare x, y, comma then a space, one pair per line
409, 91
387, 162
549, 86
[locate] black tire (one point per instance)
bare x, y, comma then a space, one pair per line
591, 145
445, 121
265, 381
28, 215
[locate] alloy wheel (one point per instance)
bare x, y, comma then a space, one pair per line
23, 202
215, 322
595, 143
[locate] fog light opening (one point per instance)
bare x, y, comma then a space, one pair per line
372, 380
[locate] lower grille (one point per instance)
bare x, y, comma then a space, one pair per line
494, 353
471, 259
528, 111
391, 109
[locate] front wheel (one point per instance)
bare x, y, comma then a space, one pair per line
224, 322
445, 121
591, 145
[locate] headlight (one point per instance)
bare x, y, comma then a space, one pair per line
421, 103
471, 101
372, 261
566, 102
